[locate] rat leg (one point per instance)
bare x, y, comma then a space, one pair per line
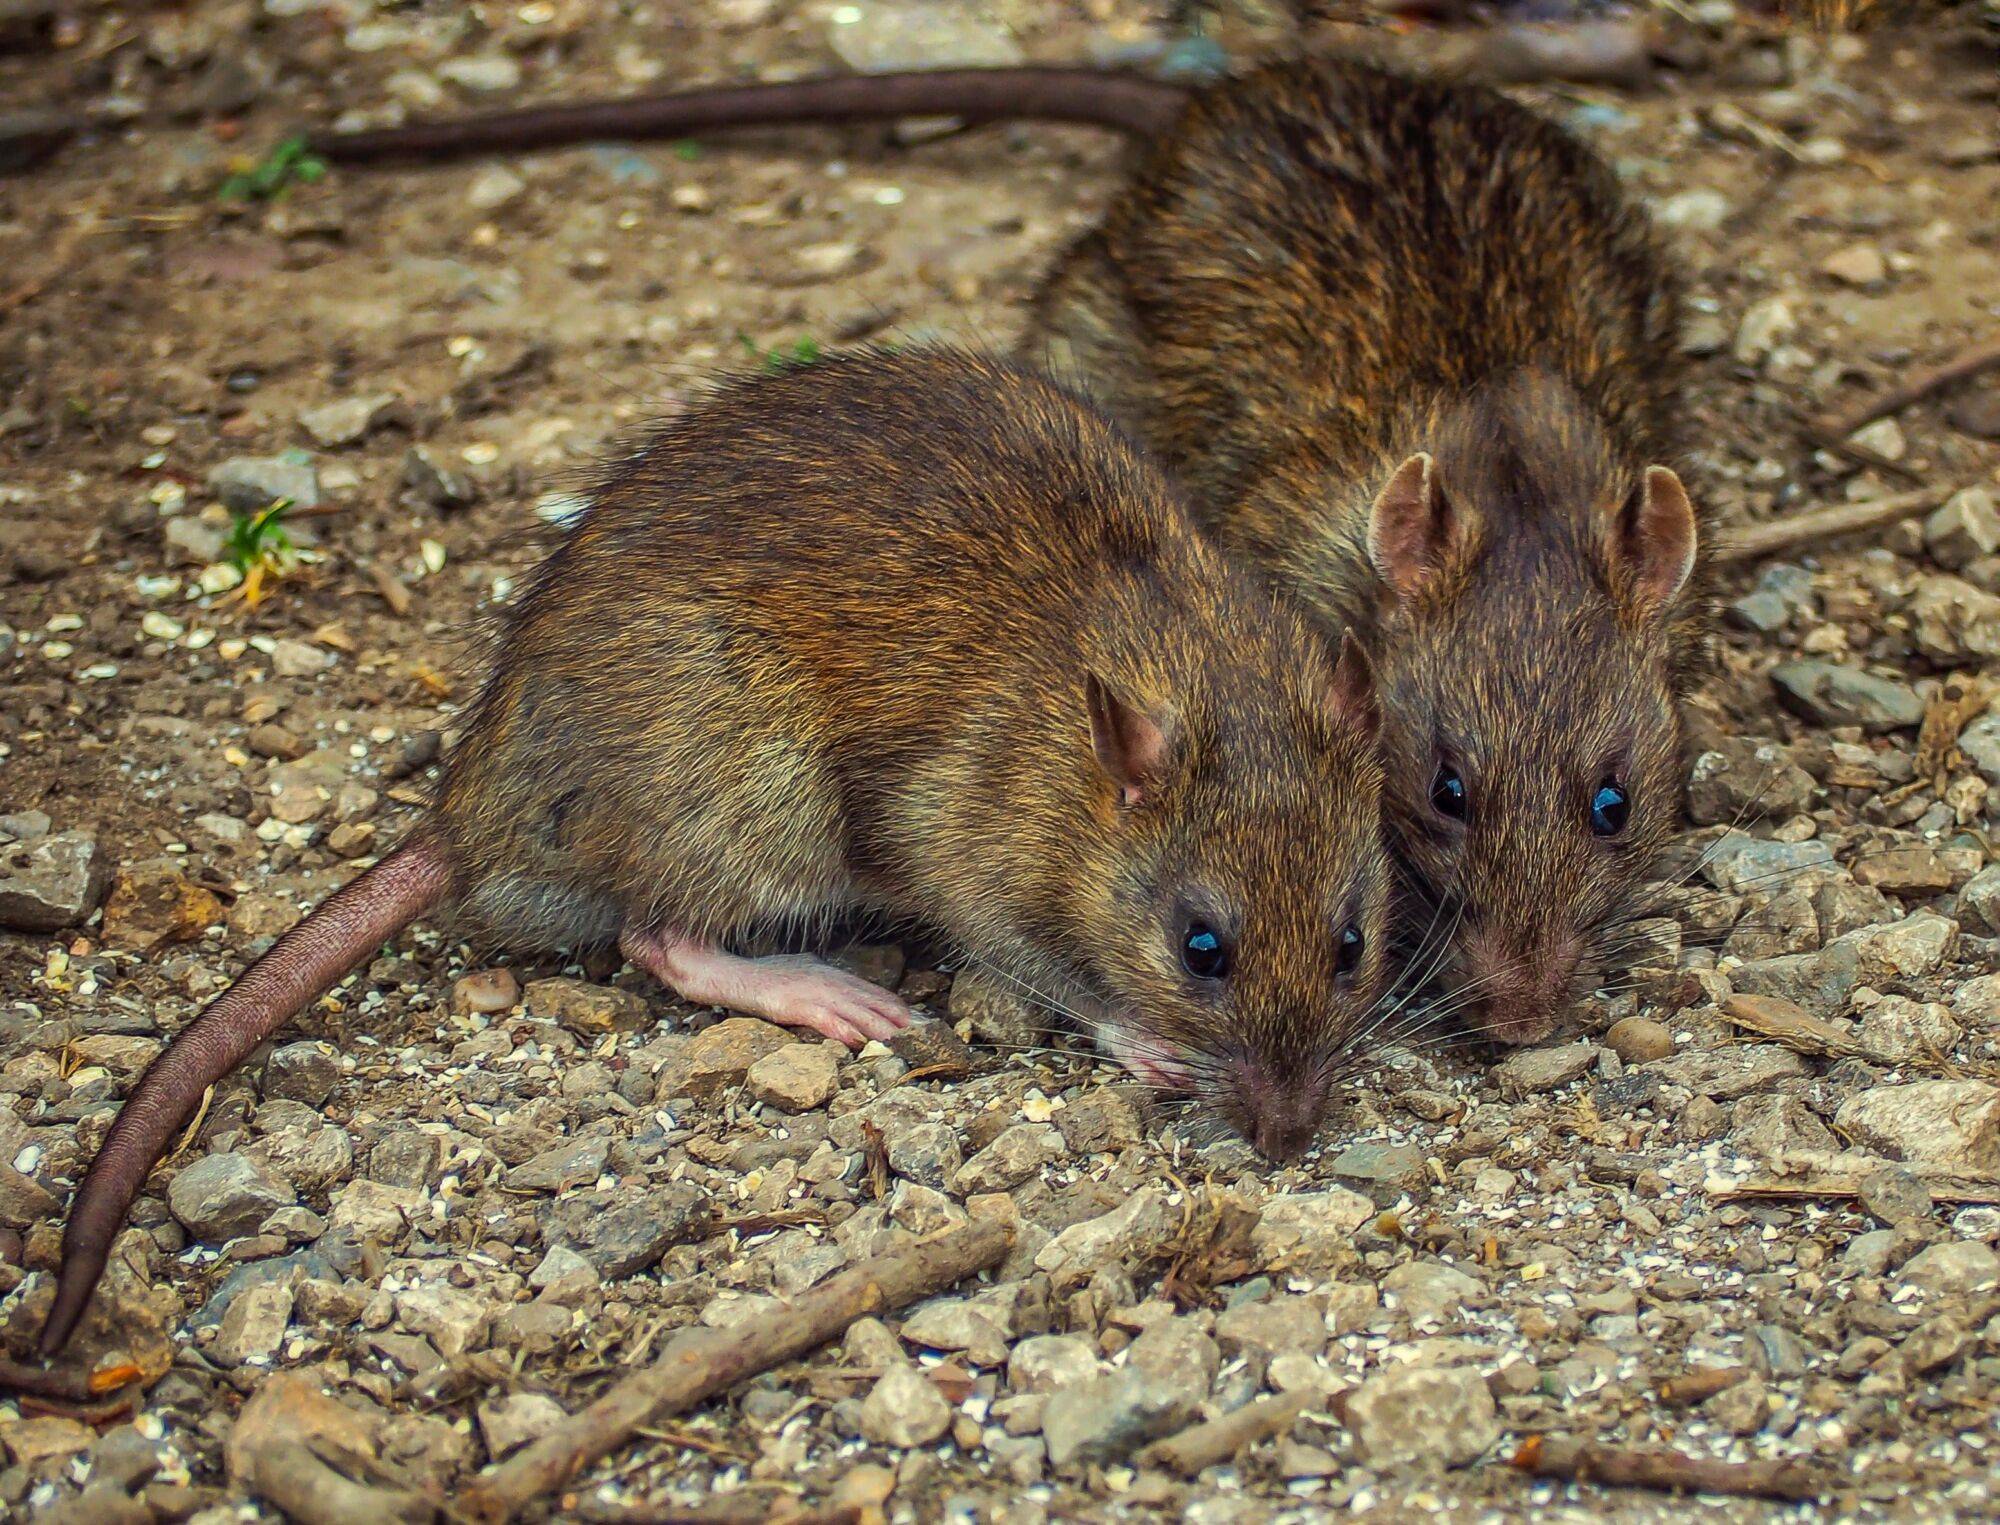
794, 990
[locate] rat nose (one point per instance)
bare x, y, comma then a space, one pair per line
1519, 985
1283, 1115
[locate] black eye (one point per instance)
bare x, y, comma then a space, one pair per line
1204, 954
1448, 793
1608, 809
1349, 956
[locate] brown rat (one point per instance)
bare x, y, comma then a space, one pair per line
1414, 353
920, 634
1415, 356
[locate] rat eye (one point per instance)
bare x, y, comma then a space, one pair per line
1608, 808
1448, 793
1349, 957
1204, 953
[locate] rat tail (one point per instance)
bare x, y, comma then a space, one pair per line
1112, 98
301, 966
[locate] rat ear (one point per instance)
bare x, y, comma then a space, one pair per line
1654, 539
1413, 530
1353, 690
1133, 746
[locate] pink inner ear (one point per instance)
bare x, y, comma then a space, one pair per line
1131, 745
1354, 687
1410, 528
1659, 537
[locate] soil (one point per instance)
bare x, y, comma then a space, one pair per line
462, 1212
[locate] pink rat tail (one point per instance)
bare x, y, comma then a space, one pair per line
301, 966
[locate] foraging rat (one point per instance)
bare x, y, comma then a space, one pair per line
1414, 353
920, 633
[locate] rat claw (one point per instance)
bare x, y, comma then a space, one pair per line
790, 990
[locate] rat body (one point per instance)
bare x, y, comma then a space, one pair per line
1414, 355
916, 633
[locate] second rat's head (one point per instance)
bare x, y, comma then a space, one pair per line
1532, 649
1231, 887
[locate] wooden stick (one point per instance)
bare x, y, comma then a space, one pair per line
1694, 1386
1966, 363
1205, 1445
699, 1363
1754, 541
1669, 1471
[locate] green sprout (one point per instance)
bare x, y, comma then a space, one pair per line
782, 358
258, 547
266, 179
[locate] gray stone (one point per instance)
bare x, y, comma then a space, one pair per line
1272, 1325
1782, 594
1422, 1416
925, 1152
1739, 863
371, 1213
1102, 1421
1892, 1195
482, 73
564, 1278
1946, 1125
588, 1010
1384, 1171
1828, 694
1531, 1071
50, 883
224, 1196
1746, 780
509, 1422
1101, 1121
1819, 982
958, 1325
409, 1158
1018, 1154
1045, 1363
1956, 1268
1897, 1030
1980, 742
623, 1231
799, 1077
250, 483
436, 484
1311, 1230
1179, 1353
254, 1325
1118, 1237
579, 1162
193, 540
904, 1409
1979, 903
887, 35
1954, 622
1964, 529
27, 826
453, 1321
1727, 1073
1429, 1289
1770, 1126
305, 1072
1899, 952
349, 419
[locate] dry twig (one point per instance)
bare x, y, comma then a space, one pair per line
1206, 1445
1755, 541
1965, 364
699, 1363
1668, 1471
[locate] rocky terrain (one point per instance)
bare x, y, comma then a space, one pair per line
1746, 1208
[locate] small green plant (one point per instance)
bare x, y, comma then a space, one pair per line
687, 150
258, 547
781, 357
290, 163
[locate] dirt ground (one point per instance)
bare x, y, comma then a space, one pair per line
1772, 1153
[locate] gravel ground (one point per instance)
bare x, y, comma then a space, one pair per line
1745, 1206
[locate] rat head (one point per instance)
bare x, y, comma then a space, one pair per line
1532, 648
1233, 892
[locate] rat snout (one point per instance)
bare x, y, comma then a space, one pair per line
1278, 1112
1518, 986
